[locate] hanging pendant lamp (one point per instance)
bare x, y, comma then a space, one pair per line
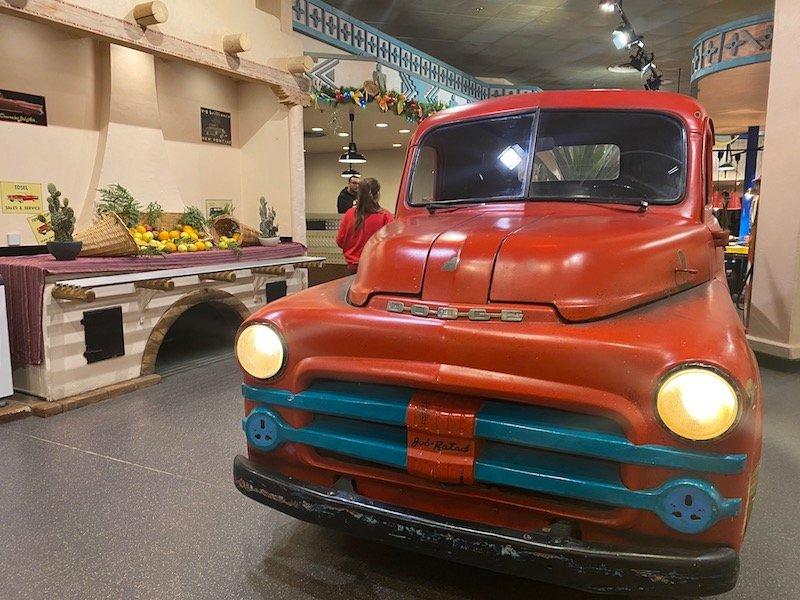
350, 172
727, 165
352, 155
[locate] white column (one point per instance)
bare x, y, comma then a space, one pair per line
774, 320
297, 174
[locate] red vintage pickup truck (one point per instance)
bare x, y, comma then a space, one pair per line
537, 368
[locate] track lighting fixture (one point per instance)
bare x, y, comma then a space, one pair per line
624, 36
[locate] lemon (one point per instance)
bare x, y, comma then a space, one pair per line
182, 248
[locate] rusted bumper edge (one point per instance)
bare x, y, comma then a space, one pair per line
535, 555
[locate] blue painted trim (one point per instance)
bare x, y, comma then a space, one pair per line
533, 470
614, 494
377, 403
524, 425
535, 427
469, 87
377, 443
730, 64
731, 26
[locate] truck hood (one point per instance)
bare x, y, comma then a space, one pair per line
588, 261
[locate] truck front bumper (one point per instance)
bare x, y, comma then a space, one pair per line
543, 556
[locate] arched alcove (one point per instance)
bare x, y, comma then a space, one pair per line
195, 315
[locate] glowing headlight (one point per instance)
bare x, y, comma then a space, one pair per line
260, 351
697, 404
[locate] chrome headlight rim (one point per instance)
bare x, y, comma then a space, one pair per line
714, 370
283, 347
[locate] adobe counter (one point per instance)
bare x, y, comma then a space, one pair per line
83, 325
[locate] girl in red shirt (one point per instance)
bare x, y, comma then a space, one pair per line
361, 221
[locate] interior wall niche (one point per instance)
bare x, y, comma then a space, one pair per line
203, 334
198, 328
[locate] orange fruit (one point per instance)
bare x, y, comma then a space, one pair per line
163, 235
187, 228
174, 234
140, 228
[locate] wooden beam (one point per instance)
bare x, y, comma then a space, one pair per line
132, 35
162, 285
294, 64
150, 13
268, 270
229, 276
72, 292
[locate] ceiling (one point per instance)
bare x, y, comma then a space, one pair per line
559, 44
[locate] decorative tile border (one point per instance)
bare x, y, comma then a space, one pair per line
732, 45
331, 26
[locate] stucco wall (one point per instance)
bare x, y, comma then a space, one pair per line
48, 62
324, 180
118, 115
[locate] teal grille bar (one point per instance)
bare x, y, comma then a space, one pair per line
530, 426
511, 466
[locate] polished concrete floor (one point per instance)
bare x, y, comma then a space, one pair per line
133, 498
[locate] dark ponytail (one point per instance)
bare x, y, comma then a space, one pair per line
366, 200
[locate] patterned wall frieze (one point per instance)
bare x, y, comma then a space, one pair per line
732, 45
331, 26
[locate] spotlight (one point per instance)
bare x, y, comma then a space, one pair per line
642, 61
654, 81
608, 5
624, 36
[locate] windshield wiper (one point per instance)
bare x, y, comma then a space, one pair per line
434, 206
641, 203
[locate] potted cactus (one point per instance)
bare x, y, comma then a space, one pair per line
62, 221
267, 227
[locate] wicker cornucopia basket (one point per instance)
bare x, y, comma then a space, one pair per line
108, 236
227, 226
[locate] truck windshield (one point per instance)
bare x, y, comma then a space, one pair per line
578, 156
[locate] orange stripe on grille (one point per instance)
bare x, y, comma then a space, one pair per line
441, 442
